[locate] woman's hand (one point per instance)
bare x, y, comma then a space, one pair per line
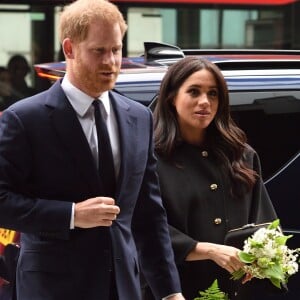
225, 256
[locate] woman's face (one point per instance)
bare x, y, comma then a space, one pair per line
196, 104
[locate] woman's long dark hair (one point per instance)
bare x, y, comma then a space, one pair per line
223, 136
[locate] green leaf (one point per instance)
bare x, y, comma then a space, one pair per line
255, 244
275, 272
276, 282
236, 275
212, 293
281, 240
274, 224
246, 257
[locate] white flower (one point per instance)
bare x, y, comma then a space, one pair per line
266, 255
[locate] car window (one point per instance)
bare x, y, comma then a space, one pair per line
271, 121
142, 93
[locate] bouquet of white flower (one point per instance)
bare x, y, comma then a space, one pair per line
266, 255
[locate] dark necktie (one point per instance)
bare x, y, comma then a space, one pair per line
105, 158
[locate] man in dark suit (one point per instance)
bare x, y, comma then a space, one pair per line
79, 240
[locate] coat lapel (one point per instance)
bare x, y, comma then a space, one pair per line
70, 132
127, 126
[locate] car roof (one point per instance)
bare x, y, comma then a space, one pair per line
157, 57
243, 69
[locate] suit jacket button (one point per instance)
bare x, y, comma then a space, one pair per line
213, 186
218, 221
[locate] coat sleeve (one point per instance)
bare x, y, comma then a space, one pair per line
19, 210
150, 229
182, 244
262, 209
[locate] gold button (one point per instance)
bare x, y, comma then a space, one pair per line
204, 153
213, 186
218, 221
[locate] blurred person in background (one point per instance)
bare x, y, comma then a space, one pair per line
18, 69
6, 98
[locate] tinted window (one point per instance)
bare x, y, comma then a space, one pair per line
271, 121
142, 93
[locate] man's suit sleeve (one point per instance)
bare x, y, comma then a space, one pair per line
19, 210
150, 229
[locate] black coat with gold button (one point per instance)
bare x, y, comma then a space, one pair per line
196, 195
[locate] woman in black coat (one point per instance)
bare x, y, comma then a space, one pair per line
210, 177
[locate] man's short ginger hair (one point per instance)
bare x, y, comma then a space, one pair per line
77, 17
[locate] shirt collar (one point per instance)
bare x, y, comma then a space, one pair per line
80, 101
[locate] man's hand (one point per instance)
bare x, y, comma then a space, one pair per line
99, 211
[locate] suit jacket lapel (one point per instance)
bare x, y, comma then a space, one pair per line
70, 132
127, 134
